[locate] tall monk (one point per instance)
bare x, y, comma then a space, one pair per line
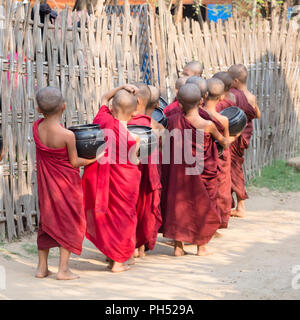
193, 68
189, 214
111, 186
247, 102
223, 195
62, 221
148, 211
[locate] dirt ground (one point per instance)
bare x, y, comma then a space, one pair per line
253, 260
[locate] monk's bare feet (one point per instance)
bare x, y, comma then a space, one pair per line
218, 235
202, 251
66, 275
131, 261
119, 267
42, 272
136, 253
238, 213
142, 253
178, 249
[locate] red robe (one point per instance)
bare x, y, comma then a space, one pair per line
224, 198
211, 170
110, 195
172, 108
62, 219
148, 207
188, 213
238, 147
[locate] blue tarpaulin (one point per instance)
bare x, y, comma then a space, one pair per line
219, 11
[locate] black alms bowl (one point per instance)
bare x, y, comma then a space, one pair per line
89, 138
237, 119
160, 117
162, 103
148, 140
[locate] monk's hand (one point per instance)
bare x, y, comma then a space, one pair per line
131, 88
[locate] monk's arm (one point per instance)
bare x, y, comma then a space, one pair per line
212, 129
110, 94
76, 162
257, 109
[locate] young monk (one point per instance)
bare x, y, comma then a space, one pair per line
62, 220
148, 212
174, 106
228, 97
247, 102
222, 193
189, 213
111, 187
193, 68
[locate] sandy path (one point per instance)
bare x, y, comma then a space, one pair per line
253, 260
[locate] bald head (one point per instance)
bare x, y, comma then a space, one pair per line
49, 100
143, 95
124, 102
193, 68
180, 82
215, 88
189, 96
226, 78
239, 72
200, 83
154, 97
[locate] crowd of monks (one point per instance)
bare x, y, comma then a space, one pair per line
121, 205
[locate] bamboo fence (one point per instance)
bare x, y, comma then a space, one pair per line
118, 46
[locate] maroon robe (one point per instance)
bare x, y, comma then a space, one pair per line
111, 193
172, 108
148, 206
62, 219
238, 147
224, 198
188, 214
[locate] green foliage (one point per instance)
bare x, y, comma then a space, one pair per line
263, 7
278, 177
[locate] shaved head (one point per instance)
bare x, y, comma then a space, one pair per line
226, 78
215, 88
154, 99
144, 93
238, 71
193, 68
200, 83
180, 82
124, 102
189, 96
49, 100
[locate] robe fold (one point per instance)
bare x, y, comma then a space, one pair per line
188, 215
238, 147
224, 198
148, 206
110, 193
62, 219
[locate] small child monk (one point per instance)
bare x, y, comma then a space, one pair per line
193, 68
148, 211
189, 212
222, 193
62, 220
229, 99
247, 102
111, 187
174, 106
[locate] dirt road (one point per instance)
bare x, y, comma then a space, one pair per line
253, 260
